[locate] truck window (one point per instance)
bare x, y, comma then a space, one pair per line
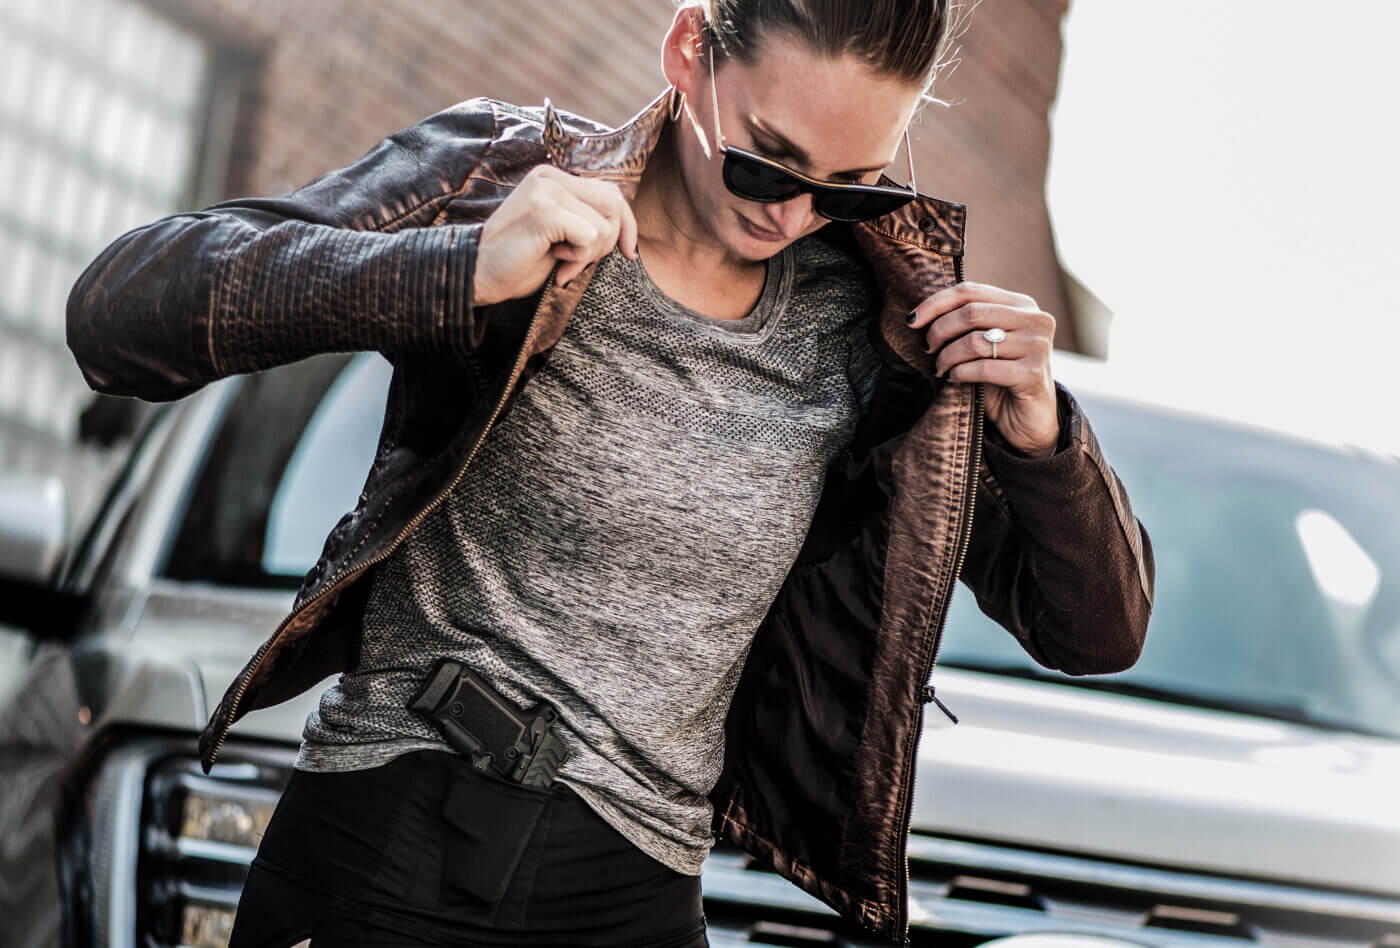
290, 457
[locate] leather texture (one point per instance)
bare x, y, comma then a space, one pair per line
822, 734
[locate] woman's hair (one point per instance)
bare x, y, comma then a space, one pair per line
906, 39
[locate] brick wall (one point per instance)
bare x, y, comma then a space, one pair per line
335, 76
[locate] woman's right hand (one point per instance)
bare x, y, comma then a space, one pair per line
551, 215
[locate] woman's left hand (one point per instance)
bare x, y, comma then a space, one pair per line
1020, 400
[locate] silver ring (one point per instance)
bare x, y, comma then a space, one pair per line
994, 336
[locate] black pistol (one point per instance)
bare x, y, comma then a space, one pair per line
482, 725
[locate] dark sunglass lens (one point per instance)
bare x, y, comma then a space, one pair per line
756, 181
856, 205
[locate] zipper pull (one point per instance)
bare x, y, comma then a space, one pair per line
928, 696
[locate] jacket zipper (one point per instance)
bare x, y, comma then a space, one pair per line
359, 567
965, 537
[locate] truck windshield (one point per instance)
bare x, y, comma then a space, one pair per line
1277, 575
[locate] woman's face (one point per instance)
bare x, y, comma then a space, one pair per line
833, 119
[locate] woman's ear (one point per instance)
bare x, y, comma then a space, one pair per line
681, 49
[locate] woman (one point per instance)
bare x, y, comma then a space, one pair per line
727, 438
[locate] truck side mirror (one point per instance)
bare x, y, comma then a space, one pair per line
33, 525
33, 538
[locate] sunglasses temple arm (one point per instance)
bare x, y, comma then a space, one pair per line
695, 123
909, 152
699, 132
714, 100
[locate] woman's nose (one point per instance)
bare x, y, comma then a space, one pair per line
792, 216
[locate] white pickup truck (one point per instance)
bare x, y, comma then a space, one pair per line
1239, 785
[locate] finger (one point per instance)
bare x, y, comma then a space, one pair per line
571, 236
981, 315
959, 294
574, 228
571, 263
1012, 374
567, 272
606, 198
606, 228
973, 345
969, 317
628, 236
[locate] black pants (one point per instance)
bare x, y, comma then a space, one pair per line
425, 850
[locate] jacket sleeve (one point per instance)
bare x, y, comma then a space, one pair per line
348, 262
1057, 556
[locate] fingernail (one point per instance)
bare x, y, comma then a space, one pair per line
928, 349
911, 317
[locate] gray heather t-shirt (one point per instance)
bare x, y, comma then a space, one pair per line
620, 535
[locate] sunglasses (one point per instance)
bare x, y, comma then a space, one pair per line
756, 178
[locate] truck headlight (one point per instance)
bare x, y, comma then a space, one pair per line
215, 816
169, 846
222, 821
206, 926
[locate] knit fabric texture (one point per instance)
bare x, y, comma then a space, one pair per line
619, 537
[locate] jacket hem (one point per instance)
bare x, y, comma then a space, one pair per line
733, 824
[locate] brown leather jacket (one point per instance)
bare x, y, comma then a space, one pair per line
822, 732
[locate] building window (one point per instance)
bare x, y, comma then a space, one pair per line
108, 110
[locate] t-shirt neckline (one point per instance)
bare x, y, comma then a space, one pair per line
752, 328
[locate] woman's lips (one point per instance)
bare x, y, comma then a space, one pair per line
756, 232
